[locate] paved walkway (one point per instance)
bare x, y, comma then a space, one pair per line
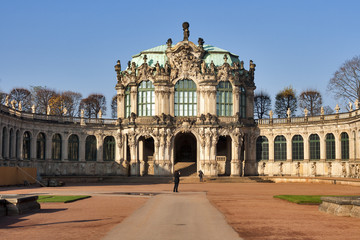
175, 216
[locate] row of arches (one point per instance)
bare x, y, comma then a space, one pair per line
297, 147
185, 99
15, 147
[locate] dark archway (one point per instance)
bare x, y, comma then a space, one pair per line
147, 155
185, 154
223, 155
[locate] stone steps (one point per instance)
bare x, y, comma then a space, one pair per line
187, 169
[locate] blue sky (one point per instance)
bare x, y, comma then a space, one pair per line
74, 45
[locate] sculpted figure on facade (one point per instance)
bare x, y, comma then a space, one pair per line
329, 167
281, 168
313, 169
297, 166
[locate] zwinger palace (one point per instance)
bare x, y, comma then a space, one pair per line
187, 106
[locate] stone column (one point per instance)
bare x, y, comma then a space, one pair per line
100, 149
171, 102
33, 145
141, 157
120, 103
322, 147
288, 148
6, 144
133, 99
134, 162
271, 148
337, 147
48, 146
13, 145
306, 147
119, 149
82, 142
236, 149
352, 146
64, 147
236, 100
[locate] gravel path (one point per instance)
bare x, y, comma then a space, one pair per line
175, 216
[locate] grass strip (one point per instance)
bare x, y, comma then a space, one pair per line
60, 198
302, 199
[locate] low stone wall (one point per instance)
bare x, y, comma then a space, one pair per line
306, 168
20, 204
341, 206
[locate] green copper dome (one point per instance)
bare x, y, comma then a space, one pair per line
157, 54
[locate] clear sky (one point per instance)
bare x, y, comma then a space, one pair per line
74, 45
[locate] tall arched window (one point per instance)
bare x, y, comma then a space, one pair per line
90, 148
242, 102
56, 147
109, 149
344, 146
185, 98
73, 148
280, 148
146, 99
11, 143
40, 146
314, 144
262, 148
224, 99
127, 101
297, 147
330, 146
26, 146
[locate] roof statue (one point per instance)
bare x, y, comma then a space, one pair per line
185, 26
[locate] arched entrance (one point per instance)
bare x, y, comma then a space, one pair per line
185, 154
146, 155
223, 155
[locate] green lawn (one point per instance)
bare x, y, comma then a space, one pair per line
302, 199
57, 198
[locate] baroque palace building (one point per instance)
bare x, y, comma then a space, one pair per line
185, 107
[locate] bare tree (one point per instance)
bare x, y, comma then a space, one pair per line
41, 97
114, 106
21, 95
285, 99
72, 102
345, 83
262, 104
92, 105
311, 100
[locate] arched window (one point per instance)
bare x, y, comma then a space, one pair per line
280, 148
26, 146
262, 148
242, 102
185, 98
297, 147
344, 146
314, 144
330, 146
11, 143
127, 102
90, 148
224, 99
56, 147
40, 146
146, 99
109, 149
73, 148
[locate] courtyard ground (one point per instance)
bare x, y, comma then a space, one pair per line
248, 207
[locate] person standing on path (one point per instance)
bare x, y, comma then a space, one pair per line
176, 181
201, 174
